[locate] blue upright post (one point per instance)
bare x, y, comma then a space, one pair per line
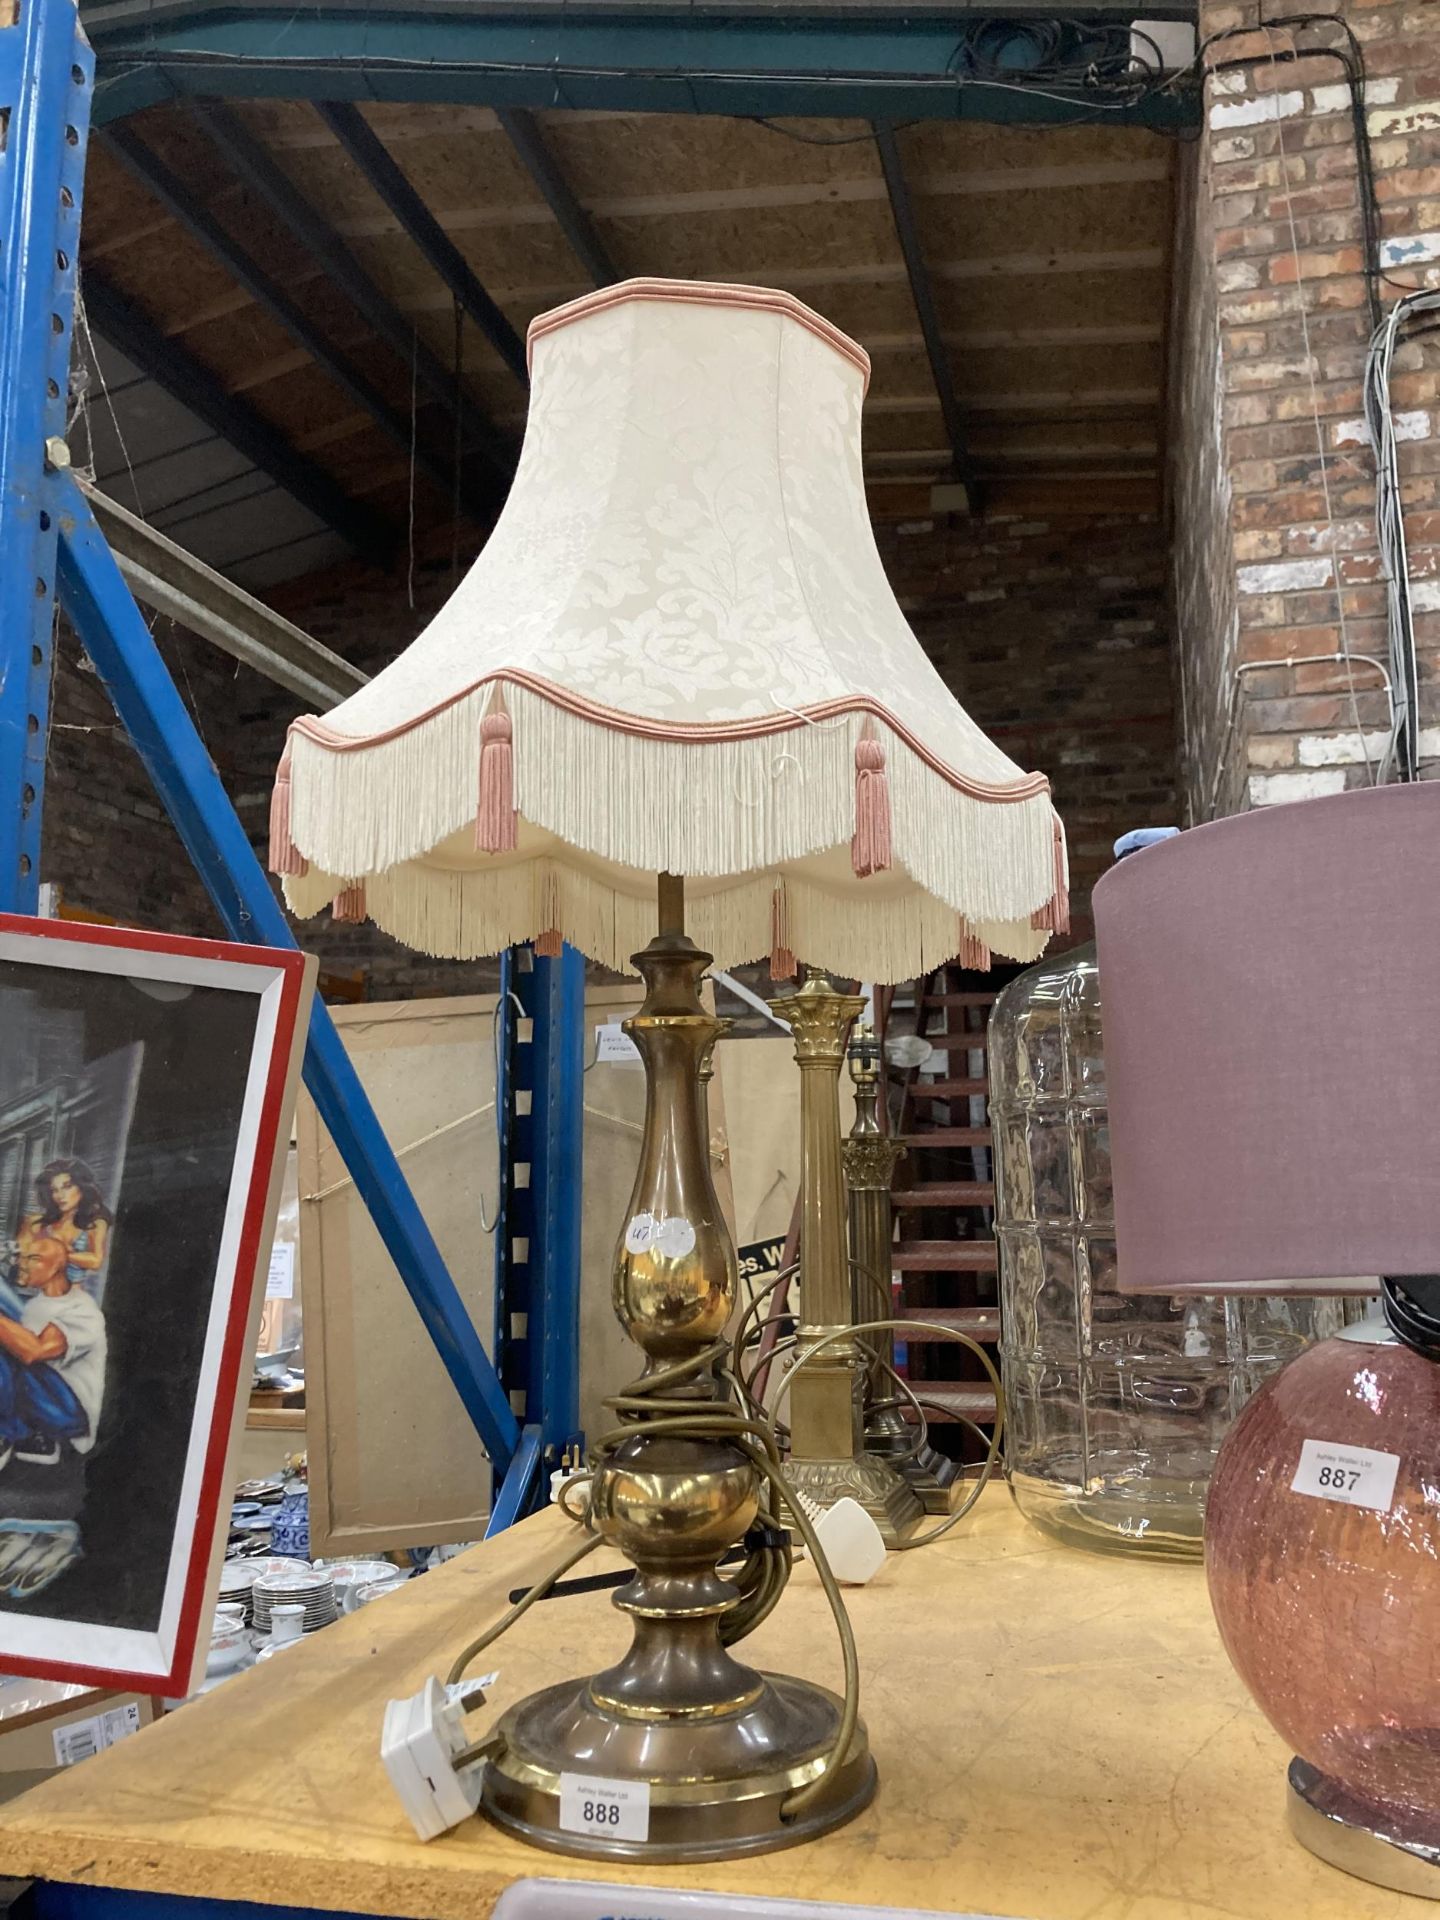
556, 1128
46, 72
539, 1104
124, 655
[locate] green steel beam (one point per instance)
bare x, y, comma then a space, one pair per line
866, 61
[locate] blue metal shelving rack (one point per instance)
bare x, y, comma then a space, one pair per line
49, 539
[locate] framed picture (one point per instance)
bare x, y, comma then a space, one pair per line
146, 1088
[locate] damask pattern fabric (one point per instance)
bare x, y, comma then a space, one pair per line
683, 613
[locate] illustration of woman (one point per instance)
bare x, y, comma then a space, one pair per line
72, 1211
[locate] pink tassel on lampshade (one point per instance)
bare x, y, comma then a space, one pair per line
548, 945
495, 830
782, 958
870, 848
347, 909
973, 951
285, 857
1054, 916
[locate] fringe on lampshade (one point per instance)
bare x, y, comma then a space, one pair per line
782, 958
495, 825
457, 914
974, 952
870, 846
348, 906
1054, 916
701, 808
285, 856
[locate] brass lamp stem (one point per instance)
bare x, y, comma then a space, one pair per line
828, 1459
725, 1754
870, 1160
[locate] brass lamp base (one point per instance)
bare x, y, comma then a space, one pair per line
716, 1785
927, 1473
891, 1502
1349, 1834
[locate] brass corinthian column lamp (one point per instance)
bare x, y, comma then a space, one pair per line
678, 655
871, 1156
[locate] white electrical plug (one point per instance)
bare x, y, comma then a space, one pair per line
418, 1743
849, 1539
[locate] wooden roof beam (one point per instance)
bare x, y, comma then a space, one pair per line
923, 294
484, 492
575, 223
196, 388
372, 157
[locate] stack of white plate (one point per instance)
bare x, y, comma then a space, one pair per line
238, 1577
350, 1576
308, 1588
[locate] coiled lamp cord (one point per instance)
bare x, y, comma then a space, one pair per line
644, 1408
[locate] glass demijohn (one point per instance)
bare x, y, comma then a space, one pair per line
1116, 1404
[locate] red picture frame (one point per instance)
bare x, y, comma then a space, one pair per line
67, 961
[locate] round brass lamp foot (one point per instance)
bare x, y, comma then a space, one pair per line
1360, 1839
716, 1785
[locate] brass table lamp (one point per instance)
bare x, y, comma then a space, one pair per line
678, 655
870, 1156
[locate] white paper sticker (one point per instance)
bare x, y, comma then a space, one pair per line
615, 1047
82, 1738
640, 1233
610, 1809
1359, 1476
280, 1281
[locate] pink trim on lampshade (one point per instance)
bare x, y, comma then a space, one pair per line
496, 828
550, 944
690, 732
286, 858
1054, 916
782, 955
870, 848
973, 951
348, 906
705, 293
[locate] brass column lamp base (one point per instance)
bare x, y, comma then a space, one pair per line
692, 1755
828, 1456
891, 1438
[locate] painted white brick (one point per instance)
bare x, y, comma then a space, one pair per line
1285, 576
1378, 93
1339, 749
1409, 249
1429, 743
1425, 596
1232, 82
1253, 113
1241, 147
1408, 426
1274, 789
1422, 116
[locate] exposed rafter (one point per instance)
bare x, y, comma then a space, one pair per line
185, 379
256, 167
575, 223
923, 295
374, 160
180, 202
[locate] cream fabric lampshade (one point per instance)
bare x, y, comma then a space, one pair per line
677, 652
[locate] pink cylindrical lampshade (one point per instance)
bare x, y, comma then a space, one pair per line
1271, 987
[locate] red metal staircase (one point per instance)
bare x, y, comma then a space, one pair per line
945, 1256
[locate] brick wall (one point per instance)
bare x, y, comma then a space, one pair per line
1055, 637
1276, 556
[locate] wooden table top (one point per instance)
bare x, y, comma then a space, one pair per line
1059, 1737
